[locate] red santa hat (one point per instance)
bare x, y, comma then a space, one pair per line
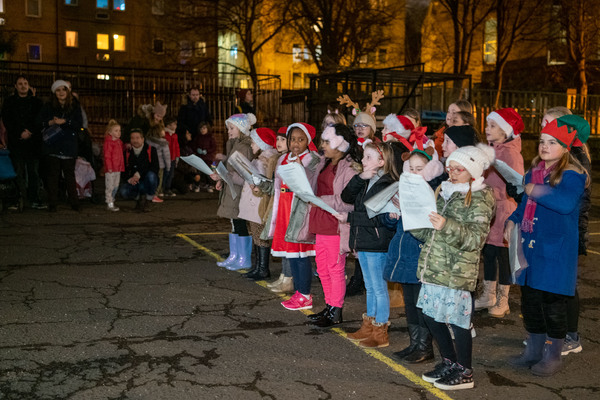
282, 131
399, 124
308, 130
264, 138
508, 120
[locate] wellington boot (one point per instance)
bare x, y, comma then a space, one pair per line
286, 286
364, 331
487, 299
533, 352
379, 336
232, 251
551, 362
277, 282
424, 350
413, 335
263, 255
333, 317
320, 314
244, 258
396, 296
501, 308
255, 257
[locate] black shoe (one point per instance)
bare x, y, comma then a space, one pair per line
316, 316
263, 255
413, 334
459, 378
356, 285
441, 370
333, 317
255, 257
424, 350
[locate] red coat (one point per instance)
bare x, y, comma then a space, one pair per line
113, 155
173, 144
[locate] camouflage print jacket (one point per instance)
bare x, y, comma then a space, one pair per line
450, 257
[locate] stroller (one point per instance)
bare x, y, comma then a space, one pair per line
9, 190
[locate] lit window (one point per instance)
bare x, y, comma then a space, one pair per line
34, 52
34, 8
102, 41
158, 7
72, 2
185, 47
296, 53
489, 41
318, 53
200, 49
119, 5
158, 46
119, 42
102, 4
103, 77
234, 51
72, 39
306, 54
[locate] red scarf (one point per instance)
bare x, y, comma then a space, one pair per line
418, 135
538, 176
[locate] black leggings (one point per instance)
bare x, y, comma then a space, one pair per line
573, 313
544, 312
240, 227
461, 350
414, 315
496, 264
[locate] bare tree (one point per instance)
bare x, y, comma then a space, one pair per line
338, 33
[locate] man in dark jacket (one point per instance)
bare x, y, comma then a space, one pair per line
19, 114
140, 178
191, 115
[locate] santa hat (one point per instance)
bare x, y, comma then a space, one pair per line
243, 122
464, 135
365, 118
282, 131
159, 110
561, 132
60, 83
580, 125
335, 141
508, 120
399, 124
474, 159
264, 138
308, 130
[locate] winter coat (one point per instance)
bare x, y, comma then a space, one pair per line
266, 188
249, 202
174, 150
66, 145
205, 147
146, 161
450, 257
190, 116
162, 149
298, 227
586, 200
113, 155
366, 234
551, 249
228, 206
346, 170
510, 153
18, 114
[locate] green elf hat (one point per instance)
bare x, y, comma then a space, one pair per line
578, 124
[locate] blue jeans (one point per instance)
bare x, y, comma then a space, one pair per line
168, 178
378, 299
302, 273
146, 186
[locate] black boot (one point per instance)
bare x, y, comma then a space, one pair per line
413, 334
262, 264
333, 317
319, 315
424, 350
255, 259
356, 285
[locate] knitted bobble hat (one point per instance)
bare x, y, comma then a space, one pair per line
243, 122
474, 159
508, 120
399, 124
60, 83
264, 138
366, 119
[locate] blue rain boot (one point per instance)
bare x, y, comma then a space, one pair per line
233, 251
533, 352
551, 361
244, 251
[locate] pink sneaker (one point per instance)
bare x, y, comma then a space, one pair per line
298, 302
157, 199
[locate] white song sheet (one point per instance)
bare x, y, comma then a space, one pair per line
417, 201
197, 163
246, 169
381, 203
295, 178
511, 176
224, 174
518, 263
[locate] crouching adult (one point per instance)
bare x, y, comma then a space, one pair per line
140, 178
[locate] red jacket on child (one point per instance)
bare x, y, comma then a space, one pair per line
172, 138
113, 155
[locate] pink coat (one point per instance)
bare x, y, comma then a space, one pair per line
510, 153
113, 155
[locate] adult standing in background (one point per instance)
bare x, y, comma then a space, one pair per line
245, 99
191, 115
24, 140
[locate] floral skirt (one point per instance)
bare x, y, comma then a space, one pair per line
445, 305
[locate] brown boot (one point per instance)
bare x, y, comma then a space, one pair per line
364, 331
396, 296
379, 336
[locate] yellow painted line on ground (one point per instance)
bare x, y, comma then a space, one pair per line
205, 233
405, 372
593, 252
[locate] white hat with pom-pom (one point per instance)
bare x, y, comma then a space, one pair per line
243, 122
475, 159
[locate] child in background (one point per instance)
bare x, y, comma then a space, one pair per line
403, 260
174, 151
457, 106
289, 220
370, 238
205, 147
156, 139
458, 136
113, 162
548, 216
340, 162
240, 241
449, 262
413, 115
331, 118
263, 148
503, 131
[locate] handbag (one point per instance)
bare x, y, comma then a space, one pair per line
52, 134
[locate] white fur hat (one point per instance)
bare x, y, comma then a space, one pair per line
60, 83
243, 122
475, 159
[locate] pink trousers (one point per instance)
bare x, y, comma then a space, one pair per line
331, 267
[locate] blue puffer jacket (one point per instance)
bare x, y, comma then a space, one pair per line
403, 254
